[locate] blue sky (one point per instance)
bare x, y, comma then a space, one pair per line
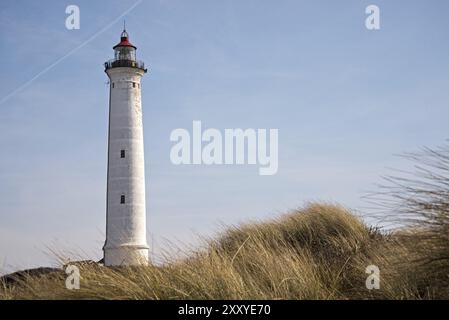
344, 99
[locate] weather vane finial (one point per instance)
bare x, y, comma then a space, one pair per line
124, 25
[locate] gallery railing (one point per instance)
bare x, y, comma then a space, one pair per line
114, 63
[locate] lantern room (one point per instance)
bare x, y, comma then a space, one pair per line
125, 50
125, 55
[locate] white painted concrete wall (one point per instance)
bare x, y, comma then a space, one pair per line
126, 242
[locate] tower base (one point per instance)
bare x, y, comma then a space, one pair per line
126, 256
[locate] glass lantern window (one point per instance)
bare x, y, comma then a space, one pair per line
125, 53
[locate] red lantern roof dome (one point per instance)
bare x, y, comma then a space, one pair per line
124, 41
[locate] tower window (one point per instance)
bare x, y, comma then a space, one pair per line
122, 153
113, 84
134, 84
122, 199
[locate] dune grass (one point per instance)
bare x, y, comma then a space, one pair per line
319, 252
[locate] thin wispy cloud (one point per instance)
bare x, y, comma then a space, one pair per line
68, 54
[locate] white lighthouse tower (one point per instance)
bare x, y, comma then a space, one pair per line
126, 242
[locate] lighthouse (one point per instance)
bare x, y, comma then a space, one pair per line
126, 243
